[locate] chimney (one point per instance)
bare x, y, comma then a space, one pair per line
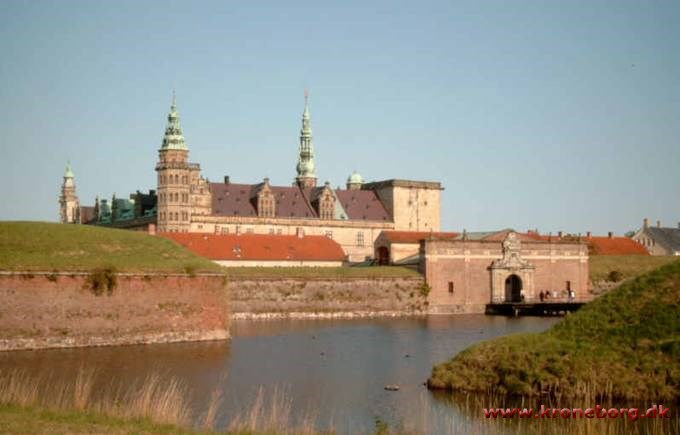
658, 224
559, 234
610, 234
299, 232
226, 179
588, 234
645, 223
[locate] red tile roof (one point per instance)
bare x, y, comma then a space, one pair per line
259, 247
600, 245
414, 236
615, 246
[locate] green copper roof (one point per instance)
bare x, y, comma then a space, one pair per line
173, 138
355, 178
69, 171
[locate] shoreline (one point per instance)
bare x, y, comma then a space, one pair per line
300, 315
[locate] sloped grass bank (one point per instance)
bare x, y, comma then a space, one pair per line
605, 267
626, 344
42, 246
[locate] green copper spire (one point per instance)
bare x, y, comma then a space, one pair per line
174, 138
305, 167
69, 171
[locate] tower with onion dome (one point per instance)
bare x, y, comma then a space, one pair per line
174, 173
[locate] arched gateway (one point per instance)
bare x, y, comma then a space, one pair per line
513, 288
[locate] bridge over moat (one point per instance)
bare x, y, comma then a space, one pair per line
557, 308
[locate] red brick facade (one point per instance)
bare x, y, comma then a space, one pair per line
466, 275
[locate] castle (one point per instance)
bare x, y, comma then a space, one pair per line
185, 201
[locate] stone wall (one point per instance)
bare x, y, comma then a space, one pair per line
42, 310
274, 298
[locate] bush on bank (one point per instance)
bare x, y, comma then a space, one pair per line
625, 344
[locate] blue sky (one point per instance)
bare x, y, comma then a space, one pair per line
556, 115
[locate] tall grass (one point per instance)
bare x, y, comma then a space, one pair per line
154, 398
161, 401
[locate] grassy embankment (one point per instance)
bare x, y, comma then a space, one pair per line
606, 267
41, 246
625, 344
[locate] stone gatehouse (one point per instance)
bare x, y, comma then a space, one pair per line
465, 275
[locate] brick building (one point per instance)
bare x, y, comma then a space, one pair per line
465, 273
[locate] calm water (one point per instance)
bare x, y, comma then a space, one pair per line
337, 369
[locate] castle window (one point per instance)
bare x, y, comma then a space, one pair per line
279, 231
451, 287
272, 231
360, 239
225, 230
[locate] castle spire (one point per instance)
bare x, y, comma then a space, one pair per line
173, 138
306, 170
69, 172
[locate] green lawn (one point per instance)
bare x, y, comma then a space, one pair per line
628, 265
42, 246
625, 344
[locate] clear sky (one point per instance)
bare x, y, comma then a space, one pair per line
556, 115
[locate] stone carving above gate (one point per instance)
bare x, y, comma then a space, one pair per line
512, 258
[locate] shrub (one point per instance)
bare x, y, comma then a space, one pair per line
52, 277
190, 270
425, 289
102, 279
615, 276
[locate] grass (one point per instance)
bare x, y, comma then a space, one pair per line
629, 266
18, 419
322, 272
623, 345
41, 246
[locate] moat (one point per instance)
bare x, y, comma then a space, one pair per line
335, 369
